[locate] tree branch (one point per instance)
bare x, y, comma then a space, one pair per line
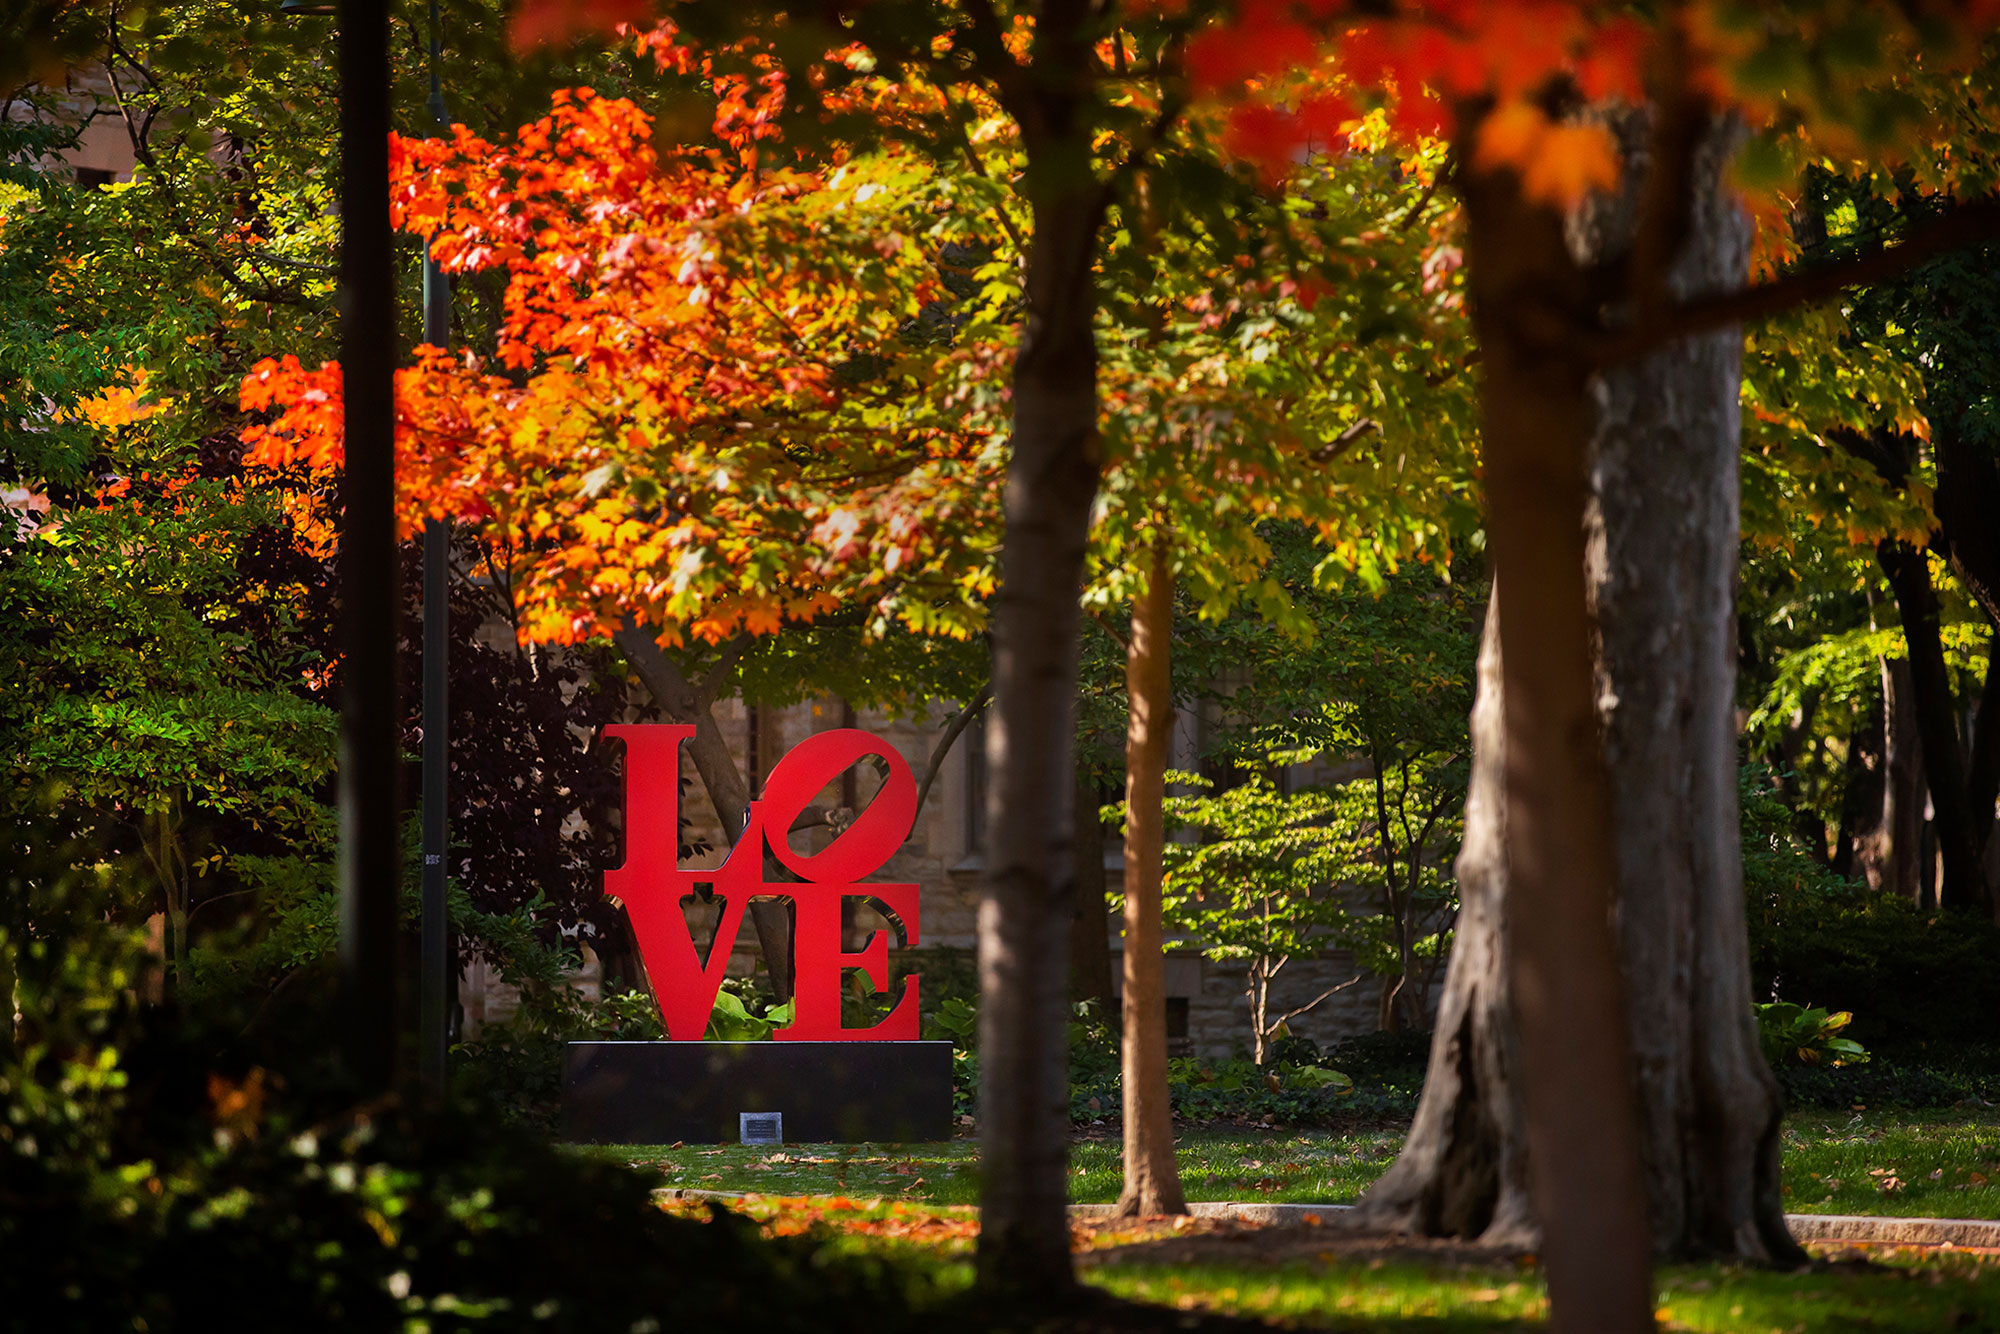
1343, 442
1964, 225
958, 725
1290, 1015
713, 680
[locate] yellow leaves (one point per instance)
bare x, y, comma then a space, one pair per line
1557, 163
118, 406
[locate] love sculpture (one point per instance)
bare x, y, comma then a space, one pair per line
652, 886
820, 1082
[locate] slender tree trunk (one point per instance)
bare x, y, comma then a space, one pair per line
1963, 886
1024, 919
1982, 776
1662, 565
1861, 789
1152, 1178
720, 777
1530, 300
1090, 918
1899, 835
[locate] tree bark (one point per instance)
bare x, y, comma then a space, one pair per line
1663, 544
1090, 916
1152, 1178
1529, 299
1982, 777
1963, 887
1052, 475
1664, 538
720, 777
1889, 859
1967, 499
1861, 788
1463, 1171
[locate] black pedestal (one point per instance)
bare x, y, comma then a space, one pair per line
828, 1092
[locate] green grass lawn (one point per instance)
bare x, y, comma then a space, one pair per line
1389, 1295
1318, 1278
1909, 1164
1298, 1166
1933, 1164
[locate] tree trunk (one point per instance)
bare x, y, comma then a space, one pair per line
1530, 302
1463, 1171
1967, 499
1863, 783
1024, 919
1664, 540
1891, 862
1963, 886
1152, 1178
1663, 544
720, 777
1090, 916
1982, 775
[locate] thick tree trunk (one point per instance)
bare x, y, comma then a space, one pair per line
1663, 569
1152, 1178
1963, 886
1530, 301
1463, 1171
1024, 919
1090, 916
1665, 434
720, 777
1967, 499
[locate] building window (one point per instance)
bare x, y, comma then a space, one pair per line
95, 178
1179, 1041
974, 743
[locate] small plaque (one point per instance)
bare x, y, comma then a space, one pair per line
761, 1127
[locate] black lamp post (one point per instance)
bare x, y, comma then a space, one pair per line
369, 755
434, 945
369, 747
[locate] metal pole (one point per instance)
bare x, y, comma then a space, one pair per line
434, 968
369, 749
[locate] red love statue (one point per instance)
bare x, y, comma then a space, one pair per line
651, 885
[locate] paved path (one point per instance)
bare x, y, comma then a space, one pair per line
1962, 1232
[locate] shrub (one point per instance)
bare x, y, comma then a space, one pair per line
1913, 979
160, 1173
1798, 1035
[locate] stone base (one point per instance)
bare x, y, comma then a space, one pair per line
694, 1092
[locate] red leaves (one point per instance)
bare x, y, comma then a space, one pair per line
668, 436
546, 22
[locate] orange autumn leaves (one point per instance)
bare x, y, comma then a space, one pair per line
666, 428
1513, 81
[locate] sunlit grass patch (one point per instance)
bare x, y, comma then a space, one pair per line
1374, 1295
1899, 1164
1263, 1165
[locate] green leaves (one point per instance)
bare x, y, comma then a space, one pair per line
732, 1021
1795, 1034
